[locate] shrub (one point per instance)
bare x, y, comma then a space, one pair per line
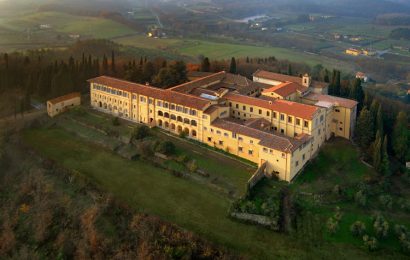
381, 226
115, 121
182, 158
145, 149
166, 147
386, 201
338, 214
337, 190
370, 243
192, 166
404, 204
332, 225
358, 228
183, 134
140, 132
360, 198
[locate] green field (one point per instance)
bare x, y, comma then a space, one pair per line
188, 204
23, 31
217, 50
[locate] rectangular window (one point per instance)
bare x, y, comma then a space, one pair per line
337, 110
321, 118
237, 106
251, 109
260, 111
297, 121
230, 104
251, 141
240, 138
244, 108
289, 119
172, 106
218, 132
143, 99
303, 156
221, 142
159, 103
240, 149
226, 134
265, 150
150, 101
267, 113
306, 123
250, 152
274, 114
282, 117
297, 163
209, 139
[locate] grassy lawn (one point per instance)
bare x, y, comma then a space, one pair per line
188, 204
66, 23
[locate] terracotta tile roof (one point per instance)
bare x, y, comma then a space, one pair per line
202, 82
150, 91
266, 139
337, 101
64, 98
220, 80
211, 109
284, 78
282, 106
276, 76
286, 89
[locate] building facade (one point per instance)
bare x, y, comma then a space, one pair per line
61, 104
224, 111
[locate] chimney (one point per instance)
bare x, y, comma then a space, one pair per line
306, 80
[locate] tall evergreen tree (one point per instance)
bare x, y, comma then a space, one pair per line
365, 129
377, 149
148, 72
290, 72
337, 85
380, 121
113, 66
385, 163
105, 65
232, 66
6, 60
357, 93
205, 65
401, 137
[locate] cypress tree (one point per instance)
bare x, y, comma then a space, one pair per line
385, 163
377, 149
336, 86
105, 65
232, 66
365, 129
401, 137
380, 121
205, 65
290, 70
113, 67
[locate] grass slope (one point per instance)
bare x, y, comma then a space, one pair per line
188, 204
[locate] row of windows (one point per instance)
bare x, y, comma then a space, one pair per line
282, 117
110, 99
218, 132
110, 90
176, 108
178, 118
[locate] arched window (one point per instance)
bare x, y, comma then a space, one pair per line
193, 122
193, 133
186, 130
179, 129
100, 104
166, 115
179, 119
173, 126
160, 113
160, 123
186, 121
166, 124
173, 117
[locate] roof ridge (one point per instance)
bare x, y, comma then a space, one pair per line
196, 80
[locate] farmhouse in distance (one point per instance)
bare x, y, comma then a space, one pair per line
277, 121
